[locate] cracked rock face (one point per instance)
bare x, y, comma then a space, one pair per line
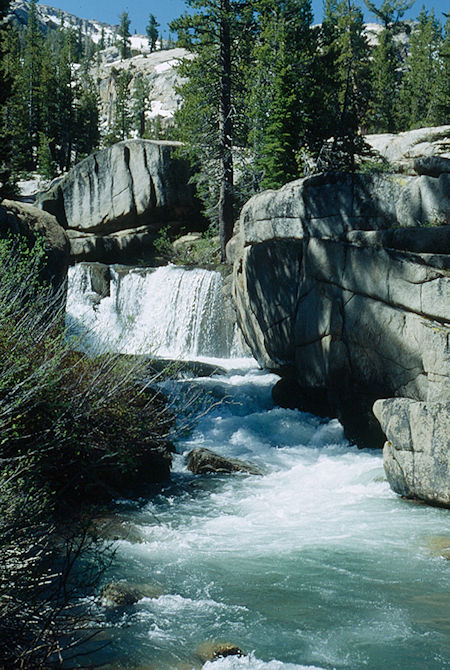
115, 200
417, 453
332, 293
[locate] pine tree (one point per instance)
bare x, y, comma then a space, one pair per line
440, 108
124, 36
67, 92
123, 114
48, 97
422, 68
281, 89
207, 119
16, 113
31, 78
386, 65
45, 164
390, 12
347, 84
152, 32
140, 97
7, 188
87, 133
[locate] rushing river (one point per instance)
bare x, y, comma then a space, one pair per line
314, 563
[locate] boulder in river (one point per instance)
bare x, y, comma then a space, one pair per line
201, 461
417, 451
124, 594
210, 651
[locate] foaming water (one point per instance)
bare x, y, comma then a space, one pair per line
315, 563
168, 311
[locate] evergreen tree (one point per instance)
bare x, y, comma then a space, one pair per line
6, 181
87, 133
281, 89
347, 85
48, 98
140, 97
386, 65
440, 108
422, 70
390, 12
152, 32
123, 115
207, 119
67, 92
31, 78
124, 36
45, 164
382, 115
16, 116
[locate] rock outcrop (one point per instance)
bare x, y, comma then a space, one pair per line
402, 150
30, 222
157, 71
417, 453
342, 285
115, 201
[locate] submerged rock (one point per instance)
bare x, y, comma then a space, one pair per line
210, 651
201, 461
123, 594
439, 545
112, 528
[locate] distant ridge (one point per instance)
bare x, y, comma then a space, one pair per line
50, 19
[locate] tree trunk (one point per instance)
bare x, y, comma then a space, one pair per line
225, 130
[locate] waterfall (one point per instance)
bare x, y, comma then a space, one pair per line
170, 311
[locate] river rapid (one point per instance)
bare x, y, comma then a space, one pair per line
315, 563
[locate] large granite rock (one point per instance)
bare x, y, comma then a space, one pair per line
402, 150
335, 296
18, 218
115, 201
417, 453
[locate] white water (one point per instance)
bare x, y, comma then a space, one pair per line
169, 312
314, 564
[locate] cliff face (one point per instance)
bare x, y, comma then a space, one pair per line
348, 305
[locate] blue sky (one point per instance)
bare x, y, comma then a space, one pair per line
165, 10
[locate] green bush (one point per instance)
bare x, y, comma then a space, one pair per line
74, 431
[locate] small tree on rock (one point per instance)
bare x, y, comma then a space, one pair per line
152, 32
124, 36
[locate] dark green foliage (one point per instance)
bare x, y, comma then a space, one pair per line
123, 113
347, 82
7, 188
87, 136
140, 97
281, 89
124, 36
47, 99
45, 164
73, 431
439, 113
385, 65
210, 120
390, 12
422, 67
152, 32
